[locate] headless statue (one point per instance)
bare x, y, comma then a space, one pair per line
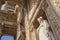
3, 7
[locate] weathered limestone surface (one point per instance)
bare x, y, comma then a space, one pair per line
30, 9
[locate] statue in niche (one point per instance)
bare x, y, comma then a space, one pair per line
43, 30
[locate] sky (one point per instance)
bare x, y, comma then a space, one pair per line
7, 38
